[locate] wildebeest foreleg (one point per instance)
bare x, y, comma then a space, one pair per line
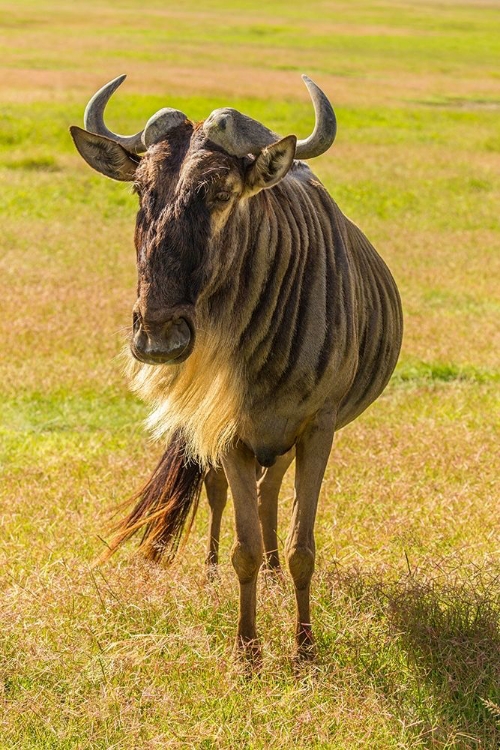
216, 488
240, 466
313, 450
268, 487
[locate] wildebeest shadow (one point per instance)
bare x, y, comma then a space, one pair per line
441, 623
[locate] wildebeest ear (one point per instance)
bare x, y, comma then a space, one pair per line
104, 155
271, 165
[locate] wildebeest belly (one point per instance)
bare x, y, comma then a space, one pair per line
270, 435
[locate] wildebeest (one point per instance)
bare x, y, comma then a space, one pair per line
264, 322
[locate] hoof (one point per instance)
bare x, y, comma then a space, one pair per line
306, 649
271, 561
212, 571
248, 653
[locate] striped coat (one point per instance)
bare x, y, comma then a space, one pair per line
264, 322
298, 310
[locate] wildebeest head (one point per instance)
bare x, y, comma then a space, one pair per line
190, 180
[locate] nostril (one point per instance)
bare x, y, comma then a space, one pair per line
161, 342
176, 334
140, 339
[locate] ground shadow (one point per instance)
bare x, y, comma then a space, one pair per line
442, 622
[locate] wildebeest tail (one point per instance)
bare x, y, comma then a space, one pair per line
163, 506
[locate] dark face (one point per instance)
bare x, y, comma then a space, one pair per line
186, 192
188, 189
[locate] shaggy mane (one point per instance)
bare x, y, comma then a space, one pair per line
200, 399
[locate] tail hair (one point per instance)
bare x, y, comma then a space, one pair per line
162, 506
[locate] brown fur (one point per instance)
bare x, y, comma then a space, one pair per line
295, 328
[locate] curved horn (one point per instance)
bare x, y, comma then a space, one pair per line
94, 118
156, 127
239, 134
325, 128
236, 133
160, 123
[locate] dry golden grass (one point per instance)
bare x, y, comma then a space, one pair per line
406, 595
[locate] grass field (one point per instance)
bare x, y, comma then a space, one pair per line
407, 589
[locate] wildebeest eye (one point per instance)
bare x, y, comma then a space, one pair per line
222, 197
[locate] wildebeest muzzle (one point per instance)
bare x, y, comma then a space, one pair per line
162, 338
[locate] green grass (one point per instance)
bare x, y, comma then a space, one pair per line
407, 589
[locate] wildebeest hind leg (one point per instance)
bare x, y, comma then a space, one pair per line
216, 488
268, 487
313, 450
